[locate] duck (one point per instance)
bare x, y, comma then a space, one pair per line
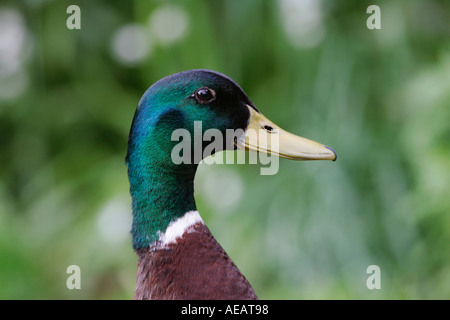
178, 258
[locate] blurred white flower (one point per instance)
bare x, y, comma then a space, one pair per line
302, 21
168, 24
222, 188
114, 220
131, 44
15, 46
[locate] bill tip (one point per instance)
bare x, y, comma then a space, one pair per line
332, 150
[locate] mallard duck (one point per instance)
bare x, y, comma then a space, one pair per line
178, 257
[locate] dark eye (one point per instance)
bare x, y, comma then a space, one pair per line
205, 95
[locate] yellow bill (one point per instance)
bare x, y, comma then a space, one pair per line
262, 135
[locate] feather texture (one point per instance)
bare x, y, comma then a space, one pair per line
195, 267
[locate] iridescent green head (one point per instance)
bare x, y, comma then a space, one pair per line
161, 189
179, 100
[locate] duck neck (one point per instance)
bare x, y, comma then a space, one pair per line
160, 195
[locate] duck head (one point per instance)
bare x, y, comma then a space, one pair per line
210, 101
184, 101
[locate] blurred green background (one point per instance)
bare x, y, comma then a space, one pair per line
380, 98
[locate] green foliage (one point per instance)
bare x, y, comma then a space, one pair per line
380, 98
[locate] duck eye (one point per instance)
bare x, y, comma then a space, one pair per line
268, 128
205, 95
